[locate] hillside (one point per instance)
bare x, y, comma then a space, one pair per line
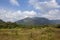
37, 21
1, 21
33, 21
56, 21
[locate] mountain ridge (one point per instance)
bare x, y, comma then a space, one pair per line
33, 21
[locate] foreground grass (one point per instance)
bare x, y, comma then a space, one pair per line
47, 33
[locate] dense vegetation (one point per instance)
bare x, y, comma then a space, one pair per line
46, 33
10, 25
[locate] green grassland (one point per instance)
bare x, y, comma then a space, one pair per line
46, 33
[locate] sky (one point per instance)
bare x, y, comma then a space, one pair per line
13, 10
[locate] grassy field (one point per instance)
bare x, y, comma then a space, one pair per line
47, 33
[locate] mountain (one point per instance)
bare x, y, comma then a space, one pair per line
1, 21
37, 21
55, 21
34, 21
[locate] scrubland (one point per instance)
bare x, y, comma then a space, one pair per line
46, 33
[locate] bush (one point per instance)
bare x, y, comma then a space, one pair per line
58, 26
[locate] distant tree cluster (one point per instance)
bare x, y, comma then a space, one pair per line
7, 25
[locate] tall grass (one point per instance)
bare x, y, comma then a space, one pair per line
47, 33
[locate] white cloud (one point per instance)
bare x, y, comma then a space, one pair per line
44, 5
14, 2
52, 14
29, 13
15, 15
49, 8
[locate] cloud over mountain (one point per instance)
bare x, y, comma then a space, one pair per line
9, 15
50, 8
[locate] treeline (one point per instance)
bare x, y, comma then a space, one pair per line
11, 25
7, 25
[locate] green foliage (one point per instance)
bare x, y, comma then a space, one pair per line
11, 25
57, 26
8, 25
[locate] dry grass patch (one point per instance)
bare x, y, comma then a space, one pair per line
47, 33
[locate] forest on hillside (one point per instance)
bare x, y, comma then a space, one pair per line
11, 25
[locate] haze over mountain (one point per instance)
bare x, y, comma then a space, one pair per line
37, 21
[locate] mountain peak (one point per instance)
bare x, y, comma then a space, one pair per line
37, 21
33, 21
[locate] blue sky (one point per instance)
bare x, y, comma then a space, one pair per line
13, 10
